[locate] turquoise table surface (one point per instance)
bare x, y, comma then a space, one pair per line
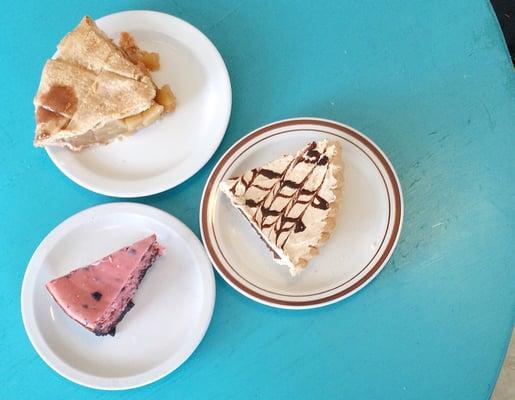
430, 81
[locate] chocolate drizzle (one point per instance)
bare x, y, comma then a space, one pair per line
251, 203
280, 220
323, 160
313, 155
320, 203
299, 225
244, 182
290, 184
268, 173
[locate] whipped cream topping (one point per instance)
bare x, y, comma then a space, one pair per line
291, 201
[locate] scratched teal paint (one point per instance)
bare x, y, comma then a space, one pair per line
429, 81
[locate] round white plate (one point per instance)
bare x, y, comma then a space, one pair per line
367, 229
173, 305
174, 148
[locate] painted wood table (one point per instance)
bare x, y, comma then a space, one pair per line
430, 81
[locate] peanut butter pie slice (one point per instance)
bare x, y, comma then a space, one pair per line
99, 295
292, 202
92, 91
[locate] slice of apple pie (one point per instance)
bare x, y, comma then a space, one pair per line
92, 92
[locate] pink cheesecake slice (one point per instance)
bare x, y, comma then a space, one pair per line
98, 295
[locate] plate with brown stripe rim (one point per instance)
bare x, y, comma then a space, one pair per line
368, 223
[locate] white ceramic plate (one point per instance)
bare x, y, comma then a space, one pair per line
161, 155
173, 305
367, 229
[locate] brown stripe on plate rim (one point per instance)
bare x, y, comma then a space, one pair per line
302, 121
